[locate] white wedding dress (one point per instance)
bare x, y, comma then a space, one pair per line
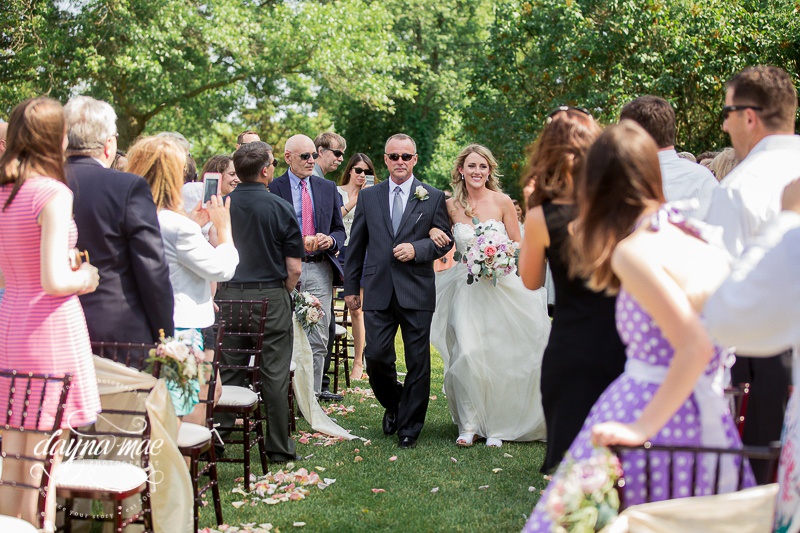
491, 339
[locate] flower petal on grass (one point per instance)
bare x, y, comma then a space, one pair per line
483, 487
238, 504
454, 459
531, 489
393, 458
298, 524
435, 489
377, 491
357, 459
508, 455
496, 470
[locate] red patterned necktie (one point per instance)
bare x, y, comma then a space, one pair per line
307, 210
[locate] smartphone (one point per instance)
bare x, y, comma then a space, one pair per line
369, 180
211, 185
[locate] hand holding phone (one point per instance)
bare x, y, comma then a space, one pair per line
211, 186
369, 180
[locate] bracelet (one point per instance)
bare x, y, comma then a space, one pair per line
345, 210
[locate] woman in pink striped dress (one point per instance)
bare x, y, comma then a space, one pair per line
42, 326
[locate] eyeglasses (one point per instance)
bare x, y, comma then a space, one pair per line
728, 109
405, 157
561, 108
358, 170
337, 153
274, 163
305, 156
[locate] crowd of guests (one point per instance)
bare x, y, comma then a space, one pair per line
639, 239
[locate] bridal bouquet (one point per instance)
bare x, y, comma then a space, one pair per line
583, 498
307, 309
491, 255
180, 363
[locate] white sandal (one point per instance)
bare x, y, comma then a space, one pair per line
465, 440
492, 442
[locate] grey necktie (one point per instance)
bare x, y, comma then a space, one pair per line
397, 210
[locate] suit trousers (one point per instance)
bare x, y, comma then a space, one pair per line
317, 278
409, 400
276, 357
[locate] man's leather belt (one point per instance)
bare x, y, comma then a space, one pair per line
254, 285
314, 258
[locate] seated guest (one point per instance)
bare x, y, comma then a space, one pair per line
627, 242
756, 310
193, 262
42, 326
270, 249
118, 226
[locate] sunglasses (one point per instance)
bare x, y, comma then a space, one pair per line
728, 109
405, 157
337, 153
362, 170
274, 163
305, 156
561, 108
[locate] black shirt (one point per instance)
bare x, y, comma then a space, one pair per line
265, 232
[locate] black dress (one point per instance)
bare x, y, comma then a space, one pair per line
584, 354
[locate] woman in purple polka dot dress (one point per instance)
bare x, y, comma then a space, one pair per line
627, 242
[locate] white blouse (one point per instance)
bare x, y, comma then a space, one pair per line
348, 218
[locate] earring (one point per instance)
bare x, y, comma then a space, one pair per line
462, 176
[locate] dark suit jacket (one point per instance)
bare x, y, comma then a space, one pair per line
327, 213
413, 281
117, 224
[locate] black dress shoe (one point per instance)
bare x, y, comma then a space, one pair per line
407, 442
389, 423
281, 461
328, 396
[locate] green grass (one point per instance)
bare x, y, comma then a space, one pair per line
408, 503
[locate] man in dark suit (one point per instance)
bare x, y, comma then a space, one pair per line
317, 207
118, 226
391, 229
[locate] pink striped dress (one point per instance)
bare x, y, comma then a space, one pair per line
39, 332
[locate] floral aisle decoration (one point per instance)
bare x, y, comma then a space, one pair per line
180, 363
307, 309
491, 255
584, 498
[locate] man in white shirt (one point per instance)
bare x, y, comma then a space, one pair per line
681, 179
759, 115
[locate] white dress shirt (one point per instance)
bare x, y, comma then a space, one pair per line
750, 196
682, 180
193, 264
405, 193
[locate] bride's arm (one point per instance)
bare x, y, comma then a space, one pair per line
531, 266
645, 279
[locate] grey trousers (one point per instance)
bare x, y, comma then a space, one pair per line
276, 356
317, 278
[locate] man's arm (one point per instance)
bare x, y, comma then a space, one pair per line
146, 253
294, 267
426, 250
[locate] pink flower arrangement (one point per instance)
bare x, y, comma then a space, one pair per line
583, 496
179, 362
491, 255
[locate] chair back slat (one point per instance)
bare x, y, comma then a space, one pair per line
245, 321
130, 354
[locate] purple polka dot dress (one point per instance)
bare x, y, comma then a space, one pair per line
624, 400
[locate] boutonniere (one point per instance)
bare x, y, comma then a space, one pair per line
421, 193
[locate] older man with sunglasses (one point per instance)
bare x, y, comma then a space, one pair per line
318, 209
759, 115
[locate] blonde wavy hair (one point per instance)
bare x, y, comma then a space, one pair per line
161, 161
457, 183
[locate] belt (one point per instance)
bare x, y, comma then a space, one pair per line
254, 285
314, 258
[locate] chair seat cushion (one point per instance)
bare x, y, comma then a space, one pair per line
100, 475
191, 435
237, 396
9, 524
340, 331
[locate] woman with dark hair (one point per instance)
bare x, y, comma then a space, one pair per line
222, 164
627, 242
491, 335
42, 326
354, 178
584, 353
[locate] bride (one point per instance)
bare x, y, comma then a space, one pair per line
491, 337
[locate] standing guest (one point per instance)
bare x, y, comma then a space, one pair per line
723, 163
120, 161
390, 230
330, 148
627, 242
118, 226
318, 211
756, 309
270, 251
584, 353
354, 179
42, 326
759, 115
247, 136
222, 164
683, 179
193, 262
492, 356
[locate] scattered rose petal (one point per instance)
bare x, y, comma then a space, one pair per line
496, 470
358, 459
393, 458
322, 486
376, 491
329, 481
435, 489
454, 459
364, 427
309, 456
367, 442
531, 489
238, 504
433, 397
298, 524
483, 487
321, 469
356, 450
507, 455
